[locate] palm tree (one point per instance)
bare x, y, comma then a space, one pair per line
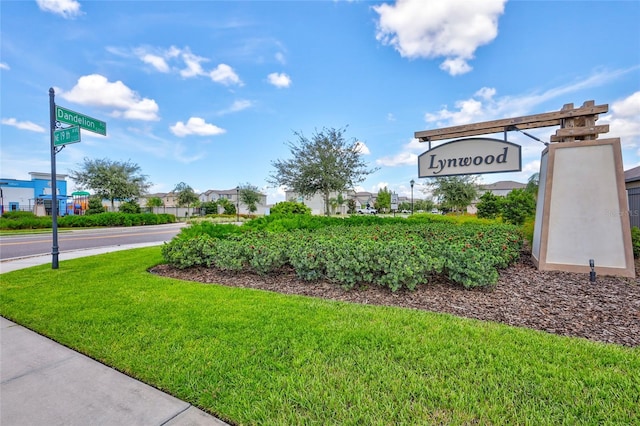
336, 202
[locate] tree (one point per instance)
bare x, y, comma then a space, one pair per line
490, 206
95, 206
131, 206
249, 196
351, 206
383, 201
185, 195
228, 207
532, 184
405, 205
111, 180
290, 207
424, 205
517, 206
455, 192
209, 207
336, 202
154, 202
324, 164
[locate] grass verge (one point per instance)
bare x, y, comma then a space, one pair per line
256, 357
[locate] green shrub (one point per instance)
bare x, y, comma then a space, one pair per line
393, 255
95, 206
129, 207
16, 215
635, 240
290, 207
185, 253
209, 207
518, 206
213, 230
489, 206
527, 230
87, 221
28, 222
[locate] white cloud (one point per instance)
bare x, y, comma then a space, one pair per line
279, 80
192, 62
362, 148
4, 66
379, 186
196, 126
486, 105
23, 125
224, 74
408, 156
274, 195
280, 58
467, 111
96, 90
400, 159
486, 93
624, 120
237, 106
64, 8
185, 62
451, 29
455, 66
157, 62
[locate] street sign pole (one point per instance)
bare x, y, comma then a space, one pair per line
54, 183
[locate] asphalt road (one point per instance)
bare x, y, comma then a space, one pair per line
16, 246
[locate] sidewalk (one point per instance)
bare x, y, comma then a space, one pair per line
45, 383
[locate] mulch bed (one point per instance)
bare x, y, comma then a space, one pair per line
556, 302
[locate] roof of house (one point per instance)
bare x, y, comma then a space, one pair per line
503, 185
632, 175
232, 191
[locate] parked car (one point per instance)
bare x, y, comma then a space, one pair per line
367, 211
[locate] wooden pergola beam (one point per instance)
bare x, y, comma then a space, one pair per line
579, 132
525, 122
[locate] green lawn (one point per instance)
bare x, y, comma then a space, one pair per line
255, 357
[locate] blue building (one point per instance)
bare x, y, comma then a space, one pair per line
33, 195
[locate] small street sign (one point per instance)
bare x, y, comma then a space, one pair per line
91, 124
66, 136
394, 201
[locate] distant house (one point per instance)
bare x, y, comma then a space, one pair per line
232, 195
168, 199
632, 184
316, 202
501, 188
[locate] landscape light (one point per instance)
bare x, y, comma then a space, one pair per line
412, 183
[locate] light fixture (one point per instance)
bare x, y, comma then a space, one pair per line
412, 183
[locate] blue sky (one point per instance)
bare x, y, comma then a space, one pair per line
209, 93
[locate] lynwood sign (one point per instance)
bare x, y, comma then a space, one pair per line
470, 156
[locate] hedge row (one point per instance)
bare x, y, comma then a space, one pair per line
87, 221
395, 256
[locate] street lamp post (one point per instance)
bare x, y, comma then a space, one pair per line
412, 183
237, 204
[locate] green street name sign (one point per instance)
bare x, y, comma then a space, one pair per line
66, 136
64, 115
